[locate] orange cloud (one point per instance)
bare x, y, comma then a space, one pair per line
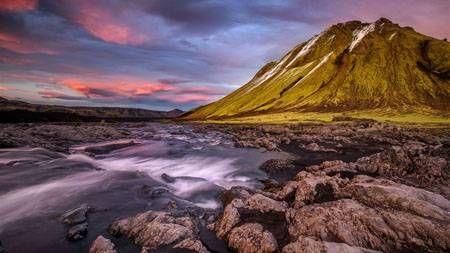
23, 46
18, 5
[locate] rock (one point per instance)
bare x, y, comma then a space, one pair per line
77, 232
352, 223
252, 238
167, 178
384, 193
235, 192
75, 216
309, 245
264, 204
314, 147
102, 245
311, 188
274, 166
191, 244
229, 218
153, 229
2, 250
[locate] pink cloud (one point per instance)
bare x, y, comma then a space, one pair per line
3, 88
23, 46
118, 88
104, 24
18, 5
57, 95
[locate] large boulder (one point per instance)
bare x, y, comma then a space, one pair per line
350, 222
154, 229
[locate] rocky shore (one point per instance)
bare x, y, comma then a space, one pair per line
348, 187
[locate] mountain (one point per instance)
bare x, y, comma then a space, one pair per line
350, 67
18, 111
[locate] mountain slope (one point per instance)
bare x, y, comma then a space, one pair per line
351, 66
18, 111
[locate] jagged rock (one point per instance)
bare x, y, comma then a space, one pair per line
274, 166
309, 245
102, 245
154, 229
75, 216
350, 222
229, 218
235, 192
191, 244
390, 195
311, 188
252, 238
77, 232
264, 204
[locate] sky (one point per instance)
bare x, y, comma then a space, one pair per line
166, 54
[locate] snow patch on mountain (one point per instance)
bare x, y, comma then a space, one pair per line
305, 49
358, 35
392, 36
322, 61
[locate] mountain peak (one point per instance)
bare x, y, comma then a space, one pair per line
383, 20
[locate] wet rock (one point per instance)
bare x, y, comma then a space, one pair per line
317, 148
153, 191
309, 245
153, 229
75, 216
167, 178
229, 218
252, 238
77, 232
350, 222
274, 166
102, 245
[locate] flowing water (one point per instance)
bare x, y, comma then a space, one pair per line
160, 165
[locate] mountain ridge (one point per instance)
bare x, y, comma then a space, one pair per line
19, 111
349, 66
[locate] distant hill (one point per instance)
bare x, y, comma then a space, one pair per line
350, 67
18, 111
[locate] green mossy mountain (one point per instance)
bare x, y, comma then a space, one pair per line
349, 67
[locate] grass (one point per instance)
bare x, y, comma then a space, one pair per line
428, 118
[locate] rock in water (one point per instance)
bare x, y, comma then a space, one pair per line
77, 232
102, 245
75, 216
